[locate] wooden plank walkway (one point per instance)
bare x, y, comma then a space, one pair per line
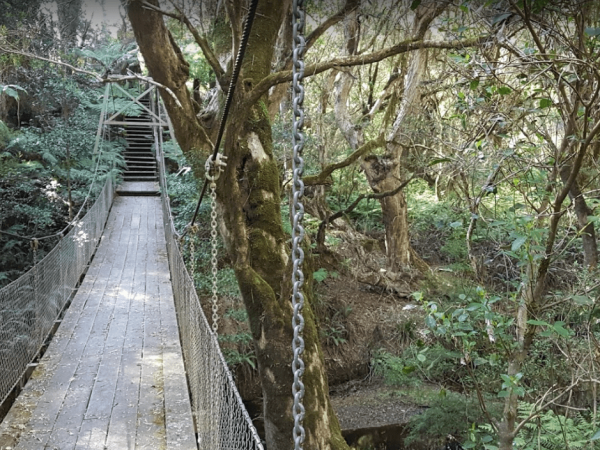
113, 376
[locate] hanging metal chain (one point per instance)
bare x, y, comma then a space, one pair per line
213, 255
213, 169
297, 229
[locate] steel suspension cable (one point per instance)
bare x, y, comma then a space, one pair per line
297, 214
234, 77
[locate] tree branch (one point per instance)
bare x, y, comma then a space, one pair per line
108, 79
51, 61
201, 41
353, 205
331, 21
313, 69
321, 178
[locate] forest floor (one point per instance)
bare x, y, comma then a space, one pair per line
362, 310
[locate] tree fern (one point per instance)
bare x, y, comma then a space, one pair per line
551, 431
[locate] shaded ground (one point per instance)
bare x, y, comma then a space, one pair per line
368, 405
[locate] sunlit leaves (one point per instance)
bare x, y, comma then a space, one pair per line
12, 90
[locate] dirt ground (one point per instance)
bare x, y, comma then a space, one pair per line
362, 405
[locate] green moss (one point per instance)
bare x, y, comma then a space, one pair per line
265, 111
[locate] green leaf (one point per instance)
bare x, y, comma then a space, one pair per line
596, 436
473, 84
11, 92
583, 300
456, 224
504, 90
438, 161
560, 330
500, 17
408, 369
415, 4
540, 323
545, 103
430, 322
320, 275
506, 378
517, 243
591, 31
421, 357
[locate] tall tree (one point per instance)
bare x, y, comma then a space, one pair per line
69, 18
248, 191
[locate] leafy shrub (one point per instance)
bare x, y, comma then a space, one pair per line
449, 413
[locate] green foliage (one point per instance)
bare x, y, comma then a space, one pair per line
38, 162
239, 315
12, 90
322, 274
108, 56
449, 413
183, 193
234, 357
226, 280
552, 431
6, 136
334, 334
394, 369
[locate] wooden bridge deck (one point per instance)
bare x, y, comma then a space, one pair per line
113, 376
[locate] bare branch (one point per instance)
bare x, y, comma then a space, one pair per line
331, 21
201, 41
52, 61
353, 205
321, 178
109, 79
349, 61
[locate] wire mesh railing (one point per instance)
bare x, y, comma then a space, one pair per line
30, 305
222, 422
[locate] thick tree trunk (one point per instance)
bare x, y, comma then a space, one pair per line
168, 67
382, 174
248, 193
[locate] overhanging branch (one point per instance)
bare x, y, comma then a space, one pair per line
353, 205
358, 60
202, 42
321, 178
107, 79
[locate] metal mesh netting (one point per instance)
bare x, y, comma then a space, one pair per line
30, 304
222, 421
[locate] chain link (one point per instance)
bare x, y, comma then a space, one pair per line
213, 169
297, 229
213, 255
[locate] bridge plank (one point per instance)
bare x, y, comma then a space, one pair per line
178, 412
113, 378
90, 326
101, 350
151, 433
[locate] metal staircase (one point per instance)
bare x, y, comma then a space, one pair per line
139, 154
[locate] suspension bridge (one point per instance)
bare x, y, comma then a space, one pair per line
133, 362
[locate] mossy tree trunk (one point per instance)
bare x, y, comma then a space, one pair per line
249, 197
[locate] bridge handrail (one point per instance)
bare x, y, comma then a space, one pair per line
222, 421
30, 305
